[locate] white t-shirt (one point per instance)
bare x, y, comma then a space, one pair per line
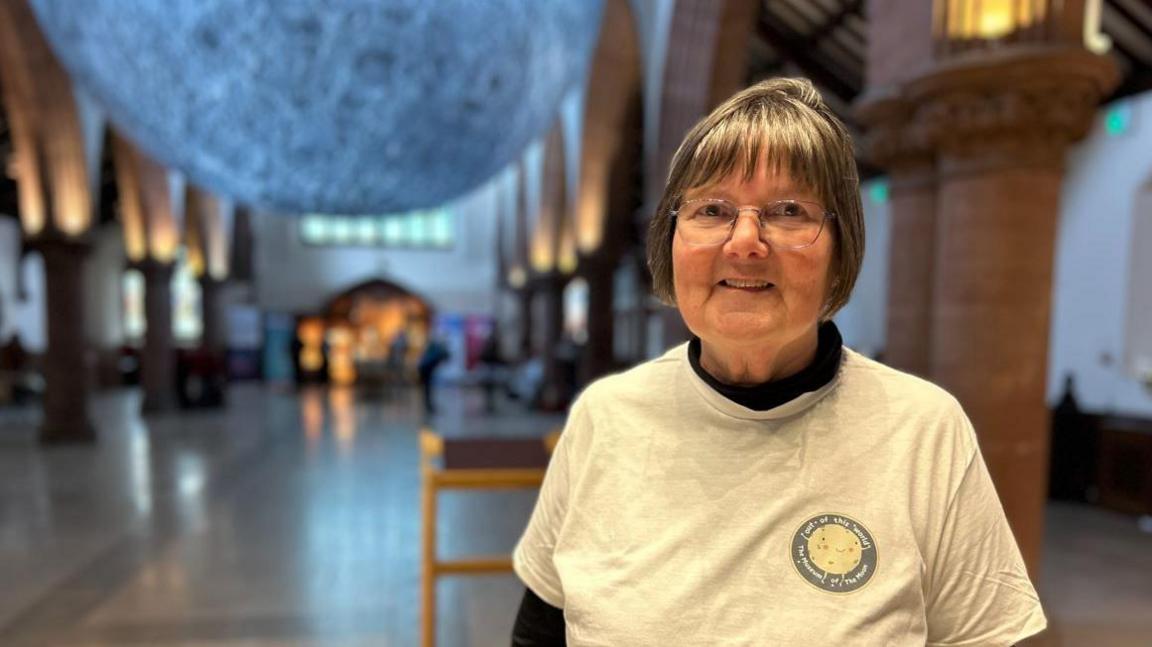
860, 514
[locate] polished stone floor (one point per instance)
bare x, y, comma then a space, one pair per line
291, 519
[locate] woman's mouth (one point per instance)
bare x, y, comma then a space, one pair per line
747, 285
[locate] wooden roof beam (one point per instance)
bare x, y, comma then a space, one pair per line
793, 48
1127, 15
854, 7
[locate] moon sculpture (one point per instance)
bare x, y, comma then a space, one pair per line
340, 106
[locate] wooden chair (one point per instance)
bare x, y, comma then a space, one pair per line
463, 464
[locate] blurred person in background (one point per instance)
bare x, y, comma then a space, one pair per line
435, 353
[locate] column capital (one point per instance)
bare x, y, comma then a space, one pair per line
600, 261
210, 282
1019, 105
153, 268
893, 139
545, 281
51, 240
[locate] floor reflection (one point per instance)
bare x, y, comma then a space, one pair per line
312, 415
342, 407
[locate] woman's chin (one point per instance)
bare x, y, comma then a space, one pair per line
742, 328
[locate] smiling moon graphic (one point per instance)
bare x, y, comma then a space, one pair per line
834, 548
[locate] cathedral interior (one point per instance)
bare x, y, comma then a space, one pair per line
273, 274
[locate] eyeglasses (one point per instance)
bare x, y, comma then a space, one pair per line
790, 224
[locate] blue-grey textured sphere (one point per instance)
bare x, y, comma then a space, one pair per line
349, 106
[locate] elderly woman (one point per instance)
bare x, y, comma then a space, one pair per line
762, 484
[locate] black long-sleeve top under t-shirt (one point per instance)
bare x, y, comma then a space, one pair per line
539, 624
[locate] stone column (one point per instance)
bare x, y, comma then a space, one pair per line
158, 361
598, 357
211, 364
66, 371
640, 308
1001, 126
525, 296
894, 143
212, 314
552, 291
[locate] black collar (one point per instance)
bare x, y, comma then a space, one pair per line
769, 395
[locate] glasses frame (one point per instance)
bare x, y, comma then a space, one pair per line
827, 215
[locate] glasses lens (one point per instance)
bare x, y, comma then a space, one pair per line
706, 222
788, 214
792, 224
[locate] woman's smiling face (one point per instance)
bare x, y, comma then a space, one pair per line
746, 292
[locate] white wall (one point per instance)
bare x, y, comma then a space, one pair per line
103, 286
1138, 341
31, 320
293, 277
1094, 265
23, 317
9, 250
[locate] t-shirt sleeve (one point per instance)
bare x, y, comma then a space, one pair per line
533, 557
979, 590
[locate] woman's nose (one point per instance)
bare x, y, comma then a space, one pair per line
747, 238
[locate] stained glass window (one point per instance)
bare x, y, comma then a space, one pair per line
133, 292
430, 229
187, 323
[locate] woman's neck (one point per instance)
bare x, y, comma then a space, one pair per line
740, 364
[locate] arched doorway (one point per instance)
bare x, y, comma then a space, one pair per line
369, 334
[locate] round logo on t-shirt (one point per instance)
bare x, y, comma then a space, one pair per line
834, 553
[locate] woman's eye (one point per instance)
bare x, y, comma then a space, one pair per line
711, 212
791, 210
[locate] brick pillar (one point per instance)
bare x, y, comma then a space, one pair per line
66, 373
158, 361
1001, 126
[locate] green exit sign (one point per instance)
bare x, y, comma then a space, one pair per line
1118, 119
878, 192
